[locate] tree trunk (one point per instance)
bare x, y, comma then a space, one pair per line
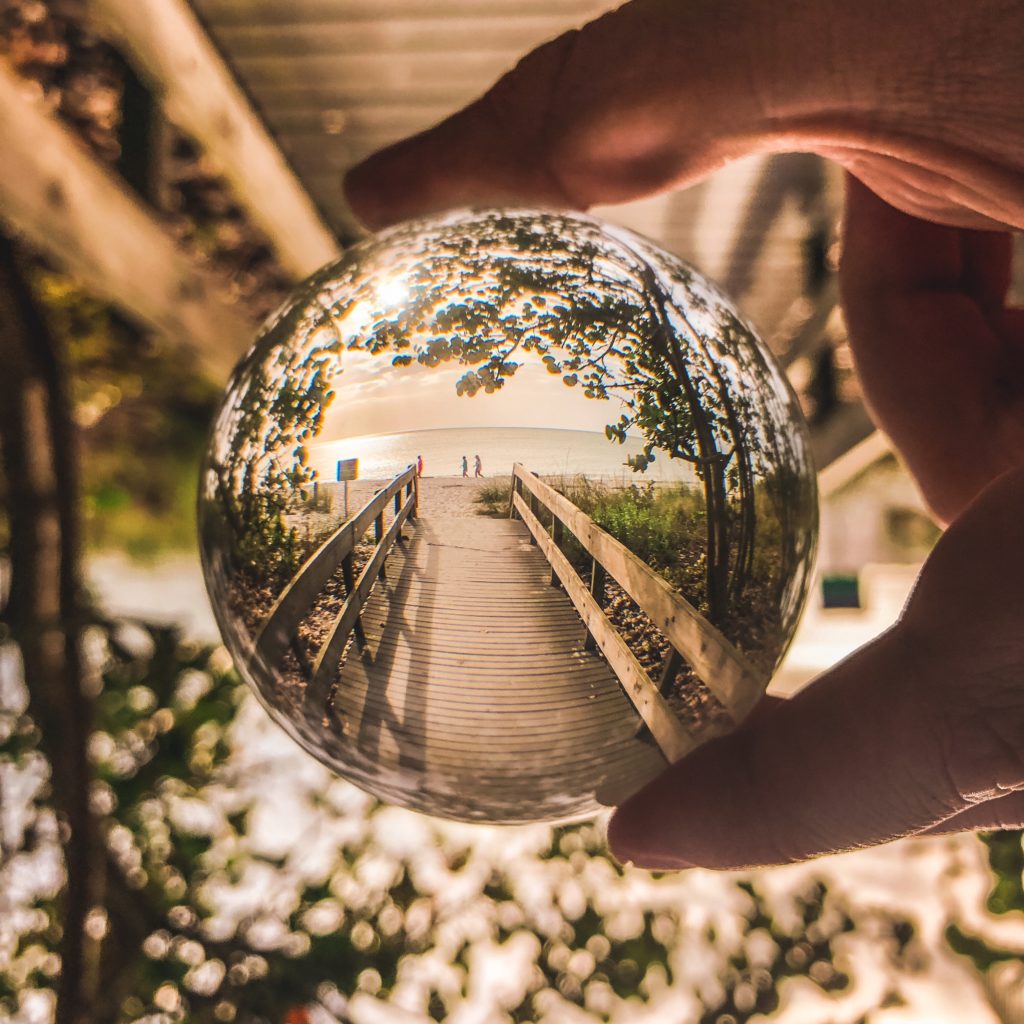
44, 610
711, 466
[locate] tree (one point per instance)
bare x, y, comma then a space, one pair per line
258, 457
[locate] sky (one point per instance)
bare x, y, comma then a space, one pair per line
372, 397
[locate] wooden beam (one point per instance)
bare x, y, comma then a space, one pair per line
170, 50
844, 428
853, 463
74, 211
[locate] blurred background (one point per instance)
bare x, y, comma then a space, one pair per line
167, 172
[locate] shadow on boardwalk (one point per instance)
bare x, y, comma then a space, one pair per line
474, 680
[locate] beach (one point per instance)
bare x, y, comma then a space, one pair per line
439, 495
549, 452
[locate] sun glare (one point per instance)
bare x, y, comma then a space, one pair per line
392, 292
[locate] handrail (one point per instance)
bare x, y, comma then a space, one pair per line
674, 739
347, 619
294, 602
724, 669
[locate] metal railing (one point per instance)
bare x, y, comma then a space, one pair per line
714, 659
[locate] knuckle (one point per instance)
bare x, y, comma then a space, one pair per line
983, 738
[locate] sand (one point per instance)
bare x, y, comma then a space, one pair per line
439, 495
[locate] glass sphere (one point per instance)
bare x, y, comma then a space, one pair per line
504, 511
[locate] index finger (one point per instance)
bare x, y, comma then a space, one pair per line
634, 102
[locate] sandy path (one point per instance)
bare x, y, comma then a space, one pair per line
439, 495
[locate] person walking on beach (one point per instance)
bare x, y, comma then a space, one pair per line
419, 465
465, 466
478, 467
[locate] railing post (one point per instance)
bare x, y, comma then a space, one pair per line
535, 509
349, 575
516, 489
378, 534
415, 485
556, 536
597, 582
673, 663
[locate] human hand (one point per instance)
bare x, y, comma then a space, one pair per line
921, 730
921, 102
940, 356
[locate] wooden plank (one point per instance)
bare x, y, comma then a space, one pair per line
474, 747
673, 738
425, 33
723, 668
74, 211
559, 716
459, 628
461, 690
462, 687
275, 13
170, 50
531, 672
326, 663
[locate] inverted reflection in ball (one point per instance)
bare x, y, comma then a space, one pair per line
503, 511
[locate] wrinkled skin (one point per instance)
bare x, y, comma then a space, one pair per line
922, 729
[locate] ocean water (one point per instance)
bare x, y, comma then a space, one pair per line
554, 452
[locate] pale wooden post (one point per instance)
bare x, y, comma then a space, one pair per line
349, 575
556, 536
516, 489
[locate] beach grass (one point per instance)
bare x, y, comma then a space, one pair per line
493, 499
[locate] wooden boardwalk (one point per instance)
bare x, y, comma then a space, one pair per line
474, 695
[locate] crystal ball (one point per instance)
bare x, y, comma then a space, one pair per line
504, 511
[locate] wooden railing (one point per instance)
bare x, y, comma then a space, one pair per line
717, 662
293, 604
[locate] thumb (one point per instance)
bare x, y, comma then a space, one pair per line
922, 724
849, 762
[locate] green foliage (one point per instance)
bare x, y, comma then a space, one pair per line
663, 525
143, 414
1006, 861
259, 466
